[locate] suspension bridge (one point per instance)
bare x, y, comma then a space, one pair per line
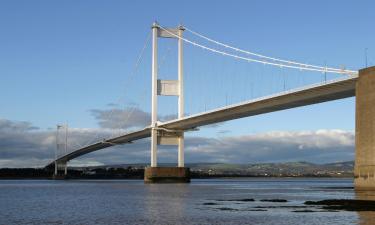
349, 83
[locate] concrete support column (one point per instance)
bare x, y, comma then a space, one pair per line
181, 160
181, 103
154, 147
364, 171
154, 95
55, 173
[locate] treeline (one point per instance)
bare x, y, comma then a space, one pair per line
98, 173
110, 173
128, 173
24, 173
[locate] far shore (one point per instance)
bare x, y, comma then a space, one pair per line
40, 174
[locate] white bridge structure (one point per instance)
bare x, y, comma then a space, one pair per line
354, 83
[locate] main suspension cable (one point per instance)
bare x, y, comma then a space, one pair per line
257, 54
327, 70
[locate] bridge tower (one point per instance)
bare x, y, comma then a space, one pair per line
364, 170
61, 166
166, 88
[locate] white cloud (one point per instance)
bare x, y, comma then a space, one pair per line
315, 146
23, 145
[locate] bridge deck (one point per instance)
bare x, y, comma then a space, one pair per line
308, 95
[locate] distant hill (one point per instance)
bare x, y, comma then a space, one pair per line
338, 169
198, 170
278, 169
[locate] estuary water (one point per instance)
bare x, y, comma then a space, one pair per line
203, 201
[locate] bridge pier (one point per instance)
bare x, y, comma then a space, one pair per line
364, 170
61, 170
167, 175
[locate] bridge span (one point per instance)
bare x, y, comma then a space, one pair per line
360, 84
312, 94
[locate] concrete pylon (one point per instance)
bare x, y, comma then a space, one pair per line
155, 174
364, 170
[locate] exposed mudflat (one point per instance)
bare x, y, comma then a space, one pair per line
236, 200
210, 203
274, 200
328, 205
344, 204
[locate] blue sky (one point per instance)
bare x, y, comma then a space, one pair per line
60, 60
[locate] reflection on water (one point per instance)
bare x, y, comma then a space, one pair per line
213, 201
366, 218
155, 202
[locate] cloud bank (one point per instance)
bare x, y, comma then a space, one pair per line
24, 145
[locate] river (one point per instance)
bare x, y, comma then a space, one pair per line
203, 201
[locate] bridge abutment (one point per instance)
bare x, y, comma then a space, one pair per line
364, 170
